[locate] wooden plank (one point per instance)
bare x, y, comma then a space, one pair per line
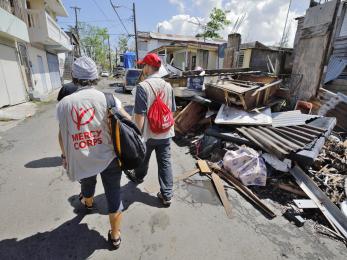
189, 116
329, 209
229, 178
222, 195
291, 189
203, 166
267, 86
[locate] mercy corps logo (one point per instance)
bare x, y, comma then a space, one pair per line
82, 117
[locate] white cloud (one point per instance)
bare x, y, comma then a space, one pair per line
181, 24
264, 18
180, 5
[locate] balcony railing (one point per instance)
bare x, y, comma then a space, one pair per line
43, 29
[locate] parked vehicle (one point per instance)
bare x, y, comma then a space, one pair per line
105, 74
131, 79
118, 72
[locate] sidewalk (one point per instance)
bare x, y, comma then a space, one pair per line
11, 116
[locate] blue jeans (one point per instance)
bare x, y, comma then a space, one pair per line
163, 152
110, 177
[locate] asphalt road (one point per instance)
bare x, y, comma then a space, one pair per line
40, 216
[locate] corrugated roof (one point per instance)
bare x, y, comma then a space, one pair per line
177, 37
335, 67
290, 118
283, 140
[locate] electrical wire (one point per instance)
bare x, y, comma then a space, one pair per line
115, 10
100, 9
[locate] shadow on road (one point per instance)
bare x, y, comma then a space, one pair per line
71, 240
46, 162
130, 194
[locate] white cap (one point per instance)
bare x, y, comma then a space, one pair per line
84, 68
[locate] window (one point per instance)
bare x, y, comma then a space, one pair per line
193, 62
240, 59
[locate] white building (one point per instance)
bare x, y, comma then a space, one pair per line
184, 52
47, 40
13, 30
30, 40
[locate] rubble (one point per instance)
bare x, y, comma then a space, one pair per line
306, 166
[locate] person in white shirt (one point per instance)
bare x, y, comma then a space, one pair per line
86, 143
160, 143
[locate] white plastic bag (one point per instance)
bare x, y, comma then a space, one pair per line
246, 165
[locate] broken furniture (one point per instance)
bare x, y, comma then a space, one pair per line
242, 91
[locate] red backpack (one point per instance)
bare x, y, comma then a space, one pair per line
159, 116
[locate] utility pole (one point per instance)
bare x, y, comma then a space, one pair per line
109, 53
135, 32
76, 8
116, 57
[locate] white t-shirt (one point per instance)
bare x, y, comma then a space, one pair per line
83, 124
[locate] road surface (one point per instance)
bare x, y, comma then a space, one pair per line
40, 216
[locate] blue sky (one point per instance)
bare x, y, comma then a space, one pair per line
264, 18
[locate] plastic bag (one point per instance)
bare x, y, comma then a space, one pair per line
246, 165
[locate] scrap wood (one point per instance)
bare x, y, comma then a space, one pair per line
203, 166
292, 189
242, 189
222, 195
189, 117
267, 86
205, 169
333, 214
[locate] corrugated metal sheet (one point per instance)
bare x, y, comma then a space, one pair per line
335, 67
282, 141
290, 118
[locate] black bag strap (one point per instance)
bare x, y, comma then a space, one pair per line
110, 102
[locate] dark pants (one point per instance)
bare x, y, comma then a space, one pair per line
110, 177
163, 153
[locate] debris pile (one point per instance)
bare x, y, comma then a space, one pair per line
240, 129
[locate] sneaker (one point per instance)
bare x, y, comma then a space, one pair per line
166, 202
132, 176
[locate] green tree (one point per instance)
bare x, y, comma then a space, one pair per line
218, 20
122, 44
94, 43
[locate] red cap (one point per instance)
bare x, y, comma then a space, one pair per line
151, 59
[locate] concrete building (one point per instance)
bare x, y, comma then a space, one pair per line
47, 39
189, 56
13, 31
30, 40
257, 56
184, 52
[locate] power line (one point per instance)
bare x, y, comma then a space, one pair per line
90, 21
115, 10
100, 9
